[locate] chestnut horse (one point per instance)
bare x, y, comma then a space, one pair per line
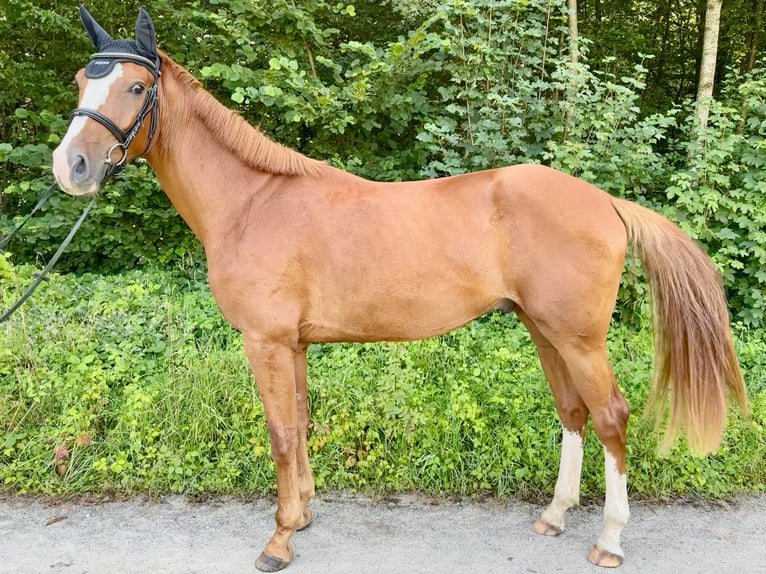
300, 252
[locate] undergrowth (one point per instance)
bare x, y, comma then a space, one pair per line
134, 383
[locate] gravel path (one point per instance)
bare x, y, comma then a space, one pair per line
355, 535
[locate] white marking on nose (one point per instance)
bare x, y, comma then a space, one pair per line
95, 95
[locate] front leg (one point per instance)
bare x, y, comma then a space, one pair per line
273, 365
305, 479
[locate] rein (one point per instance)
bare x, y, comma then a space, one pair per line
39, 277
43, 198
125, 138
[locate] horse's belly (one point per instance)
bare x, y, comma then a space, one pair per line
400, 316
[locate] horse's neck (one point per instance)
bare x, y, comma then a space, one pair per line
196, 183
206, 183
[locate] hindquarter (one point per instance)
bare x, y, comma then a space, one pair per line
567, 246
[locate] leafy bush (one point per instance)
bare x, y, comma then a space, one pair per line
473, 84
493, 102
721, 199
134, 382
132, 223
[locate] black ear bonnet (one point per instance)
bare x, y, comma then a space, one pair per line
142, 50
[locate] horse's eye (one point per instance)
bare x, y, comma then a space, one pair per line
137, 89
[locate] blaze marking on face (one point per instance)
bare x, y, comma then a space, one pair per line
95, 95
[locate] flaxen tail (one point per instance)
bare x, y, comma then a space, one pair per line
695, 367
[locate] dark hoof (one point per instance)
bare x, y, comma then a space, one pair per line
604, 558
268, 563
545, 528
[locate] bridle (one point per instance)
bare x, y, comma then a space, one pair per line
125, 138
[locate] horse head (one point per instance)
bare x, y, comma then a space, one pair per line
117, 111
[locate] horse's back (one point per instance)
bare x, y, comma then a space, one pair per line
360, 260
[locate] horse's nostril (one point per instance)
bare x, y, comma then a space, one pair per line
79, 168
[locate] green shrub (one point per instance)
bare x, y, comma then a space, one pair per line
132, 223
475, 84
721, 198
134, 382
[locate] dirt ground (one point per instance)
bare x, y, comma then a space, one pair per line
353, 534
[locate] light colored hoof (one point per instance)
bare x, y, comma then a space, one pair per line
545, 528
604, 558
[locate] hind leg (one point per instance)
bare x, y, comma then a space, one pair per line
576, 330
574, 415
568, 256
596, 384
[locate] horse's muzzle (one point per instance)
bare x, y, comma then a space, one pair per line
76, 173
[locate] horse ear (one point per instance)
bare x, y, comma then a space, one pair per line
145, 35
97, 34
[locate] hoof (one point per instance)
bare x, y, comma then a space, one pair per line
308, 518
269, 563
604, 558
545, 528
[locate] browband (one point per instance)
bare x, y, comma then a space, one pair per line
102, 63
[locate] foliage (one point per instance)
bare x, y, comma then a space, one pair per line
619, 31
130, 224
452, 86
347, 101
134, 382
721, 199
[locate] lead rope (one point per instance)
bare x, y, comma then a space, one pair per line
39, 277
43, 198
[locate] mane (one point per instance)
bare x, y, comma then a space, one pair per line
232, 131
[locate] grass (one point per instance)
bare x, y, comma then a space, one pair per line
134, 382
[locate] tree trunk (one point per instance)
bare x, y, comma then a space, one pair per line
660, 40
574, 52
574, 57
752, 49
707, 62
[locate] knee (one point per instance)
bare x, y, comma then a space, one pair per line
573, 418
284, 442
